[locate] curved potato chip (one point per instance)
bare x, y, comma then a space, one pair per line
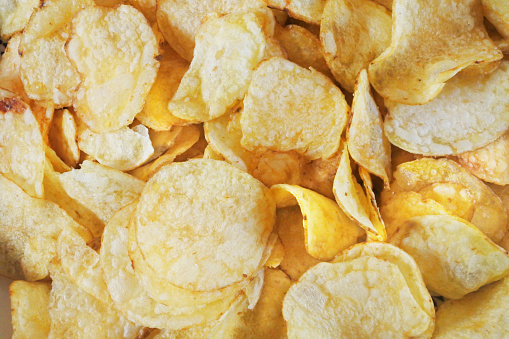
454, 197
289, 108
386, 3
62, 137
353, 34
123, 149
482, 314
21, 145
430, 44
163, 140
455, 258
478, 117
318, 175
29, 305
367, 143
503, 193
497, 12
10, 78
489, 215
228, 49
14, 15
327, 229
489, 163
113, 89
54, 161
46, 71
179, 20
306, 10
147, 7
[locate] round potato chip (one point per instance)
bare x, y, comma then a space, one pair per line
288, 108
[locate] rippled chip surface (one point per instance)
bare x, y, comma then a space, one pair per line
14, 16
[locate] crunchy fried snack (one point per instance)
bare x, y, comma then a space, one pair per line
29, 305
14, 16
306, 10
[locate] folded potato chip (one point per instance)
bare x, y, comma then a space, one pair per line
10, 78
430, 44
123, 48
318, 175
353, 34
455, 258
289, 108
305, 10
497, 12
14, 16
62, 137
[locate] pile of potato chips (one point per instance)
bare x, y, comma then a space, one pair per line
255, 168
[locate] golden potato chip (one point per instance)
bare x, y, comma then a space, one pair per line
327, 229
101, 189
454, 197
431, 42
318, 175
197, 149
209, 153
76, 314
228, 49
46, 71
312, 305
155, 113
489, 215
497, 12
123, 149
29, 305
353, 200
54, 161
302, 47
482, 314
288, 108
455, 258
386, 3
478, 117
367, 143
14, 16
305, 10
9, 67
503, 193
280, 16
179, 20
114, 50
489, 163
353, 34
163, 140
21, 145
147, 7
28, 231
62, 137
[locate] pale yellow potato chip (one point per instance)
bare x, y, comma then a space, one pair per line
318, 175
306, 10
46, 71
327, 229
489, 163
43, 113
455, 258
21, 145
114, 50
489, 215
431, 42
481, 314
289, 108
353, 34
14, 15
123, 149
28, 230
147, 7
302, 47
209, 153
179, 20
454, 197
155, 113
353, 199
163, 140
101, 189
367, 143
386, 3
9, 67
54, 161
497, 12
277, 254
478, 117
228, 49
62, 137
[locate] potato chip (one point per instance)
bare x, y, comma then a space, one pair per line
311, 305
155, 113
302, 47
21, 145
54, 161
28, 230
123, 149
353, 200
288, 108
455, 258
29, 305
196, 150
478, 315
431, 42
386, 3
305, 10
327, 229
14, 16
179, 20
455, 198
62, 137
113, 90
9, 67
489, 215
163, 140
489, 163
228, 49
353, 34
101, 189
367, 143
478, 117
497, 12
318, 175
147, 7
46, 71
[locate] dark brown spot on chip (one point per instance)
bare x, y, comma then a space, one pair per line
158, 57
12, 105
